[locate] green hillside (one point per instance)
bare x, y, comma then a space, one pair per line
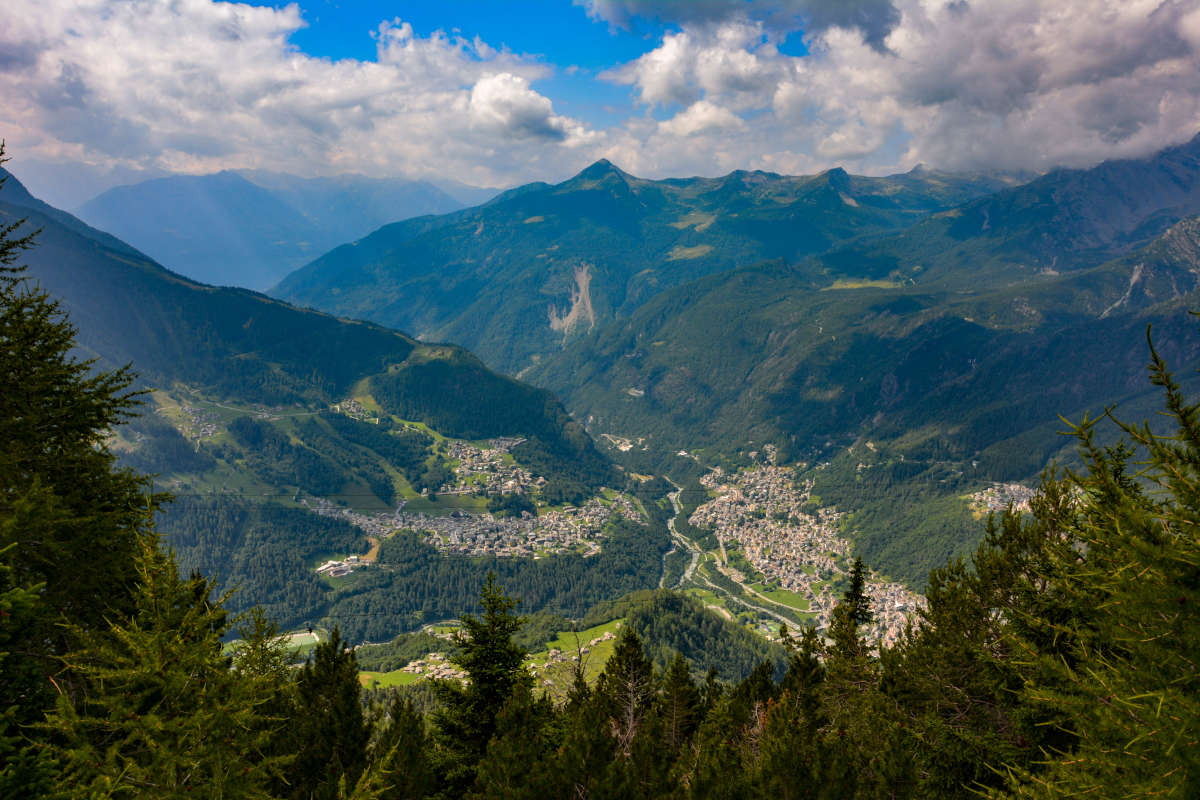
513, 279
257, 414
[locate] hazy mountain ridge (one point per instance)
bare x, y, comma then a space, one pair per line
251, 227
1064, 220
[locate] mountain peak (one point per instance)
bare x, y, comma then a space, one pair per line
599, 170
836, 178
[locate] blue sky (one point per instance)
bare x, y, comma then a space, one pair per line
556, 33
562, 35
490, 92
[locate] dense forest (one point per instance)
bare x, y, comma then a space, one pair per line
1059, 660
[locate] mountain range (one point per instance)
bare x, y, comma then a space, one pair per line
947, 320
515, 278
904, 341
250, 228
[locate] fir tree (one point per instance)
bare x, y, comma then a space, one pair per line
679, 707
495, 668
626, 688
159, 712
1124, 666
400, 768
329, 731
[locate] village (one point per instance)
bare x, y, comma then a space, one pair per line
768, 517
486, 469
578, 529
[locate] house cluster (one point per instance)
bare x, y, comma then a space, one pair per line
435, 665
999, 496
355, 410
487, 469
768, 514
379, 524
578, 529
197, 423
560, 663
338, 569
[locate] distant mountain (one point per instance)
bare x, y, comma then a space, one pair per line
514, 278
348, 207
251, 228
1064, 220
464, 193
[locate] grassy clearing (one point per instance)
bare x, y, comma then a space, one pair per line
680, 253
860, 283
566, 641
792, 600
446, 503
385, 680
556, 677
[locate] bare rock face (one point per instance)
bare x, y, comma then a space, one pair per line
581, 310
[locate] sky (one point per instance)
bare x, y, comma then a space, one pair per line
494, 93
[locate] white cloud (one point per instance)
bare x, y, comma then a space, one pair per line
197, 86
1027, 84
873, 18
504, 105
699, 117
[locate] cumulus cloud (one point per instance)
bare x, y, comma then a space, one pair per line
196, 86
699, 117
873, 18
1021, 84
504, 105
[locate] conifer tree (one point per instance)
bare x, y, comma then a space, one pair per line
70, 521
680, 705
329, 731
626, 688
399, 767
158, 711
515, 763
1123, 671
25, 768
466, 720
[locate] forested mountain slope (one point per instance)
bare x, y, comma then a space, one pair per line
539, 264
254, 400
1065, 220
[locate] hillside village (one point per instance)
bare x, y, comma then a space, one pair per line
487, 469
999, 496
578, 529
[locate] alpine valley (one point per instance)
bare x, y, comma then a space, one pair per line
765, 377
